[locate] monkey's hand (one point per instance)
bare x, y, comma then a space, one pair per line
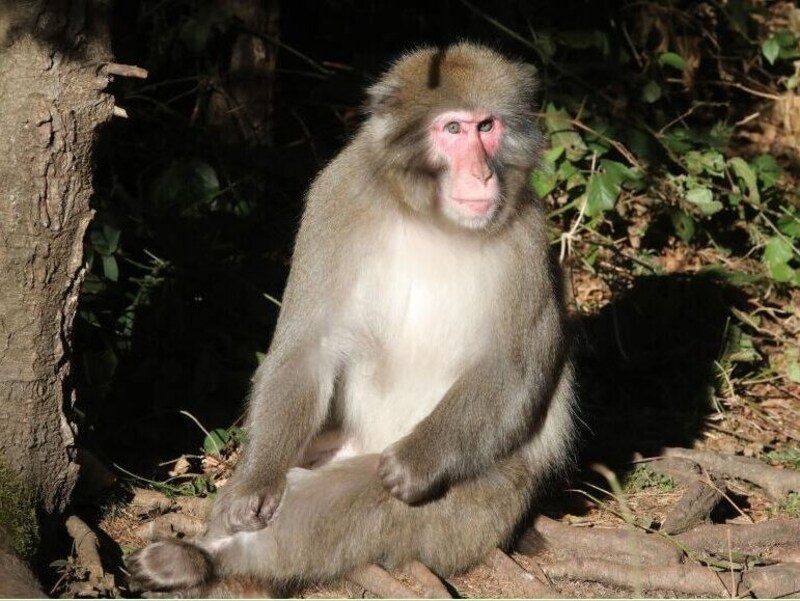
241, 505
406, 475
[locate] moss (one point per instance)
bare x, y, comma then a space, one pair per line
18, 514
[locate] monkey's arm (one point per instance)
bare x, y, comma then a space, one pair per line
488, 412
288, 400
287, 406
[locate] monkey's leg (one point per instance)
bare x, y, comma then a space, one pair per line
340, 517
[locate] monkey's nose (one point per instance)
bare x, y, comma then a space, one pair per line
481, 171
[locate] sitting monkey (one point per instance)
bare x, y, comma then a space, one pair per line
420, 354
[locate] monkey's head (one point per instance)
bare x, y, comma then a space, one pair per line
455, 128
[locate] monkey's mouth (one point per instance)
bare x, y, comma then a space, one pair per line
476, 206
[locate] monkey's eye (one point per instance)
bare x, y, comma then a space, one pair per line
453, 127
485, 126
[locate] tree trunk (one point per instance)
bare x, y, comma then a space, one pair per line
51, 104
242, 99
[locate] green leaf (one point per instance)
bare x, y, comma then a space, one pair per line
683, 224
777, 251
770, 49
748, 177
651, 92
781, 272
543, 181
111, 234
703, 199
789, 225
678, 140
601, 194
551, 155
710, 161
619, 173
215, 441
110, 268
557, 122
777, 254
767, 169
673, 60
793, 370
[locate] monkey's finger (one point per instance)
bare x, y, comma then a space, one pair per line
528, 585
432, 586
377, 580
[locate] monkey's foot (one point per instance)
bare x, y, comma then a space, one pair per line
170, 566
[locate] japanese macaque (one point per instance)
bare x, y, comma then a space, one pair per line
419, 364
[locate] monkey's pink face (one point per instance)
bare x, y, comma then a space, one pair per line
465, 142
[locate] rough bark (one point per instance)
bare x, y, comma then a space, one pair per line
51, 94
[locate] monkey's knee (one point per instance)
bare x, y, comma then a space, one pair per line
169, 565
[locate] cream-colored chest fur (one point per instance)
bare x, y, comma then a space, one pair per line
422, 309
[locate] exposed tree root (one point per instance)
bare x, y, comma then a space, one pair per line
169, 525
526, 584
149, 502
744, 538
431, 585
773, 582
88, 557
695, 506
648, 562
776, 482
686, 579
626, 546
377, 580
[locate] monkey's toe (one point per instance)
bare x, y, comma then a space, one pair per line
169, 565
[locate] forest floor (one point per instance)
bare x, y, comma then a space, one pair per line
673, 500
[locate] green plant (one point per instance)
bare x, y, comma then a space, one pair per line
643, 477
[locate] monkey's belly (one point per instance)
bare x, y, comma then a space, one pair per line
381, 404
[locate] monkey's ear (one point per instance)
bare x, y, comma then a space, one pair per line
383, 97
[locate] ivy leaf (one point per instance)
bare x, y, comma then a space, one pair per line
777, 250
746, 174
789, 225
618, 172
563, 134
767, 169
777, 254
673, 60
601, 194
770, 49
711, 162
703, 199
543, 181
683, 224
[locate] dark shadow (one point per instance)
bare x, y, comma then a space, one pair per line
646, 364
